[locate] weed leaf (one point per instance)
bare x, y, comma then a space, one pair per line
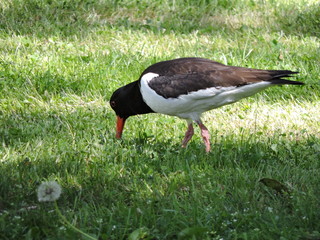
139, 233
188, 233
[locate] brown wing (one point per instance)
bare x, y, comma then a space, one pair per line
184, 75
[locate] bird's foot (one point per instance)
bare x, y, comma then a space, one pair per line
205, 136
188, 135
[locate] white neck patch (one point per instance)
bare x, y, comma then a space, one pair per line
149, 76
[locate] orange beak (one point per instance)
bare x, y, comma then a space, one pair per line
120, 125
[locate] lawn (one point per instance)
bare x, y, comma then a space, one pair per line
60, 61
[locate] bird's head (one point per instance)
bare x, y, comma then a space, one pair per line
127, 101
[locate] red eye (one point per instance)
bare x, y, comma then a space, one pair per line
113, 104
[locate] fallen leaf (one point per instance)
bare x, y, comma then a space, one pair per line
275, 185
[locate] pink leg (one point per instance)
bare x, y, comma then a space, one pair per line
205, 135
188, 135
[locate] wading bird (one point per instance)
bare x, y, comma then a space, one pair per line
187, 87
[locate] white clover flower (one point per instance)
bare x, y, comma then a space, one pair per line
49, 191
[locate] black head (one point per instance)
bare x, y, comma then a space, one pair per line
127, 101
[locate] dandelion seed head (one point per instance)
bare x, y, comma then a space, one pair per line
49, 191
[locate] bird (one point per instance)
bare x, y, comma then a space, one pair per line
188, 87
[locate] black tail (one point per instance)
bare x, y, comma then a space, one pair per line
277, 77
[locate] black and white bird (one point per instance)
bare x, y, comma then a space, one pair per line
187, 87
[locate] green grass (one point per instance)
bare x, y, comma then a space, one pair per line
60, 61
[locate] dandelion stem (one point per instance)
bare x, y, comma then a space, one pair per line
64, 220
